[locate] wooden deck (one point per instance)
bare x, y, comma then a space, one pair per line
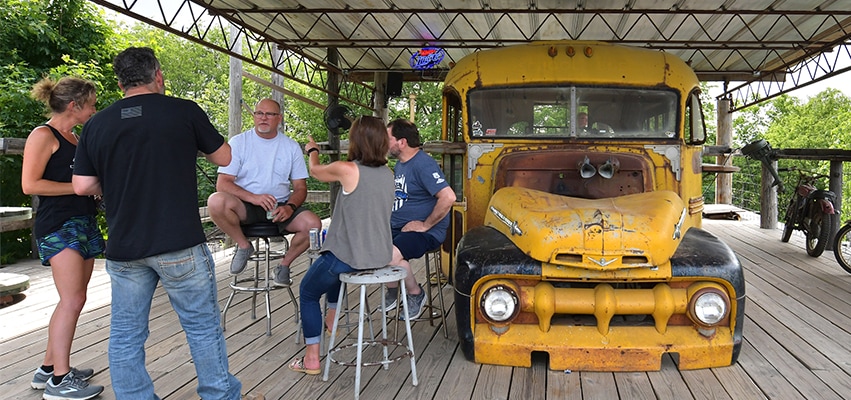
797, 343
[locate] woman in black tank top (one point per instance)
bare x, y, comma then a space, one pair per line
65, 227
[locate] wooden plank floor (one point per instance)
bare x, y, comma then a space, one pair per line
797, 342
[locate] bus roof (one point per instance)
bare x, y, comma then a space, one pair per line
571, 62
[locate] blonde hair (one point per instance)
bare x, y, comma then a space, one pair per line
57, 95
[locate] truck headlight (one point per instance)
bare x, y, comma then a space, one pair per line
499, 303
709, 306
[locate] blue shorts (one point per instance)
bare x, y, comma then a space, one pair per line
78, 233
414, 245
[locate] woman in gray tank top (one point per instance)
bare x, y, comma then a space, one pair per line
359, 236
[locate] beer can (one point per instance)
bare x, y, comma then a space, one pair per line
314, 239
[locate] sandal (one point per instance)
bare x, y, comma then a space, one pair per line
298, 366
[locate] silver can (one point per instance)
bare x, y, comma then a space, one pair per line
314, 239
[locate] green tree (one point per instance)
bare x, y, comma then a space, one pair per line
44, 38
428, 110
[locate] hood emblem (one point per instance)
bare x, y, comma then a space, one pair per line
513, 228
679, 225
602, 261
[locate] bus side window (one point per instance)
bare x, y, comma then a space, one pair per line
695, 130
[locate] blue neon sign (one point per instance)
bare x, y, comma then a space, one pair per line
427, 58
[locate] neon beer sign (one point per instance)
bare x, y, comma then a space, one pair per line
427, 58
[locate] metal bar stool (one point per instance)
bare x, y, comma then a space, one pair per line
261, 231
380, 276
437, 283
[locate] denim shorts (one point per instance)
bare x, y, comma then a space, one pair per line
78, 233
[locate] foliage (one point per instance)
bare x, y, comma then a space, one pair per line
427, 112
44, 38
821, 122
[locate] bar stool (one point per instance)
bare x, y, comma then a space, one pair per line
381, 276
261, 231
434, 312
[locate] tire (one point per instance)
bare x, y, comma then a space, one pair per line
819, 231
842, 247
789, 225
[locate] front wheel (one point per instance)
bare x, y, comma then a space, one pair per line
818, 232
842, 247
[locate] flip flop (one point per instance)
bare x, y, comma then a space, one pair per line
298, 366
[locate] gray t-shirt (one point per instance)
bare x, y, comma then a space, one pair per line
359, 234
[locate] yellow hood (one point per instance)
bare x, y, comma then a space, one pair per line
634, 231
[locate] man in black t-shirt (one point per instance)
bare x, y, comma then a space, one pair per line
140, 153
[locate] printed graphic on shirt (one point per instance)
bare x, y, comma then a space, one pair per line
131, 112
401, 192
437, 178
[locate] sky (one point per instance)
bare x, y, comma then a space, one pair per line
842, 82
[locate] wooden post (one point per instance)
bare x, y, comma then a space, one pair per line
380, 102
278, 81
768, 199
724, 137
333, 140
835, 187
235, 83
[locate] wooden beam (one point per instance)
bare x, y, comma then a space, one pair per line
12, 145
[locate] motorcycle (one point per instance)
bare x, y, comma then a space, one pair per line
842, 246
810, 209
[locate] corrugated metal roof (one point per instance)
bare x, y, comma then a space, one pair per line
791, 42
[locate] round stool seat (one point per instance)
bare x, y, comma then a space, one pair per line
386, 274
261, 229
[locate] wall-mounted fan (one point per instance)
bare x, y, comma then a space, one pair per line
338, 118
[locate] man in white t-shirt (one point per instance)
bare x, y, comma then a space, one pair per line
266, 178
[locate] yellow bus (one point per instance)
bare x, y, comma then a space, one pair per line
577, 228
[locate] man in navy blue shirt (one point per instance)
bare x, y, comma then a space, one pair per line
420, 215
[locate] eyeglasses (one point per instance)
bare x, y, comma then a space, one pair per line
260, 114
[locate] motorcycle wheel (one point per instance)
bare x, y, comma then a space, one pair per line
818, 233
842, 247
789, 225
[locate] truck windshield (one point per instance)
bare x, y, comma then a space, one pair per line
573, 112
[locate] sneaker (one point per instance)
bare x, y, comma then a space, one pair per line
416, 304
71, 388
390, 298
282, 276
40, 377
240, 259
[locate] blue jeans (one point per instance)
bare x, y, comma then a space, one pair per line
323, 277
188, 277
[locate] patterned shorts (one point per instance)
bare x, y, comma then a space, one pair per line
78, 233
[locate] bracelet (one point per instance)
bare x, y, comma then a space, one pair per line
312, 150
293, 206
